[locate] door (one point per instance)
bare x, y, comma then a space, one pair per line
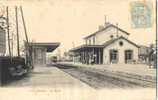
39, 57
113, 56
128, 56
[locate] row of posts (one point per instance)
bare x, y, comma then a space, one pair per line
90, 56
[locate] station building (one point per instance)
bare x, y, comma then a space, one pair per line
39, 51
108, 45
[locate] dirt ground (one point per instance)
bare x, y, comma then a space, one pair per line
99, 79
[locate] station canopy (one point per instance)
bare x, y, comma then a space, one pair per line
49, 46
85, 47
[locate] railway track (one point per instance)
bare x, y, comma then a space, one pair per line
102, 79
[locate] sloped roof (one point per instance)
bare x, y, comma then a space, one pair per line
86, 46
104, 45
121, 37
49, 46
110, 25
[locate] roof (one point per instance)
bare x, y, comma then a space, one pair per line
110, 25
51, 46
81, 47
144, 46
121, 37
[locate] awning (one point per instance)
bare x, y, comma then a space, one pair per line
83, 47
49, 46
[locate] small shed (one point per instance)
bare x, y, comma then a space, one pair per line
39, 51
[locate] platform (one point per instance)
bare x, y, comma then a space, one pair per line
135, 70
50, 83
48, 80
48, 76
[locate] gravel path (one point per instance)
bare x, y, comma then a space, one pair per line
102, 79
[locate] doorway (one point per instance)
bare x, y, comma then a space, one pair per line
114, 56
128, 56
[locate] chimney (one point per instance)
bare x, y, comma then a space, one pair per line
106, 22
100, 27
117, 30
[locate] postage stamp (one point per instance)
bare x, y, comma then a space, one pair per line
141, 15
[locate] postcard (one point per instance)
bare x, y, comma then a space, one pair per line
78, 49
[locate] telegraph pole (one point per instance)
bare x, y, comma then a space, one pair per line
24, 25
12, 43
8, 31
17, 30
29, 57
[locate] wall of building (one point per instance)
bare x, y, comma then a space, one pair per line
91, 40
39, 56
105, 35
144, 50
121, 51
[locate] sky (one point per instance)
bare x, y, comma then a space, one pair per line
69, 21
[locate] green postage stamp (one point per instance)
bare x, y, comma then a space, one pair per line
141, 15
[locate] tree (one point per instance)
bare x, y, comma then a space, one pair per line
152, 55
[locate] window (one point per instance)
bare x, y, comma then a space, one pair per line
94, 40
113, 54
111, 36
128, 54
89, 41
86, 42
121, 43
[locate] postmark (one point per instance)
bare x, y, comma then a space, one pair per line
141, 15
